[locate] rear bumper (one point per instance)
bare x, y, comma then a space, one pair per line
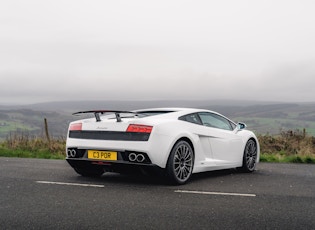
126, 161
123, 156
117, 166
156, 149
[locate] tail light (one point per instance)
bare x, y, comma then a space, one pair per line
139, 128
76, 127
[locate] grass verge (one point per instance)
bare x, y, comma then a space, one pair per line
27, 146
278, 158
287, 147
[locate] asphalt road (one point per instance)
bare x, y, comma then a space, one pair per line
48, 194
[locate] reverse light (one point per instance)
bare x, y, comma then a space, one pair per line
139, 128
76, 126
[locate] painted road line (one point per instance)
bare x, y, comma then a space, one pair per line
70, 184
215, 193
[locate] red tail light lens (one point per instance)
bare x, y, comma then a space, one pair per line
75, 126
139, 128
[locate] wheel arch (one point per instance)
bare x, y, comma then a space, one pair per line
183, 138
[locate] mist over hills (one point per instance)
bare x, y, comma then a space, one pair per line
132, 105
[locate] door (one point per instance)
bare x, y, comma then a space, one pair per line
225, 144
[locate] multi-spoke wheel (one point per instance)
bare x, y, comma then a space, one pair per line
180, 163
250, 156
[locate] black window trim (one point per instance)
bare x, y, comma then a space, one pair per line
232, 124
183, 118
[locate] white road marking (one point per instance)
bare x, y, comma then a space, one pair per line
215, 193
70, 184
177, 191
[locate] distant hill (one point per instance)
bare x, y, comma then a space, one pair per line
31, 122
131, 105
262, 117
274, 118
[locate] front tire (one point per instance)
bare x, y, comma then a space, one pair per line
250, 156
180, 163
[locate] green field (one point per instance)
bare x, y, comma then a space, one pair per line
18, 125
262, 119
32, 122
275, 125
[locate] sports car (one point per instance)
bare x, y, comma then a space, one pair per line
176, 141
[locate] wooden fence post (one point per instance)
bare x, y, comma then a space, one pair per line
46, 131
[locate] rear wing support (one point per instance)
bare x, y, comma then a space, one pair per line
97, 113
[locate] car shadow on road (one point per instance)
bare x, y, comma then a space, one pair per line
137, 178
126, 179
214, 174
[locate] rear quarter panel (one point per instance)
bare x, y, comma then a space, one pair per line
166, 134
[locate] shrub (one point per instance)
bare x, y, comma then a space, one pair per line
25, 145
289, 146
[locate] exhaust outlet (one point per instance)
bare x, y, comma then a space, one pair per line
132, 157
71, 153
140, 158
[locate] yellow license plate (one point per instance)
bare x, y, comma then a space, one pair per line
102, 155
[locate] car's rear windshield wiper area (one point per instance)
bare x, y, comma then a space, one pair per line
152, 113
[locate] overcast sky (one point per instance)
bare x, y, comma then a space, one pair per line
165, 49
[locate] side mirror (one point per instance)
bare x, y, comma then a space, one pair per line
241, 126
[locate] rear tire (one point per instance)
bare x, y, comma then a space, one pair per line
250, 156
89, 173
180, 163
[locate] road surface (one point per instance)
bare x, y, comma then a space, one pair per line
48, 194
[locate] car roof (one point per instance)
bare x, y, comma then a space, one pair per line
174, 109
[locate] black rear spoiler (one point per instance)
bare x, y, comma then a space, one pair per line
97, 113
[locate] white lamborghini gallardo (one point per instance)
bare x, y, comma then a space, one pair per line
179, 141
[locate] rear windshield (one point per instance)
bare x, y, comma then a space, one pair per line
139, 114
151, 113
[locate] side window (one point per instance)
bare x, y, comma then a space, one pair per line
215, 121
192, 118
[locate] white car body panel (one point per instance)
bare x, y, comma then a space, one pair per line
213, 148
